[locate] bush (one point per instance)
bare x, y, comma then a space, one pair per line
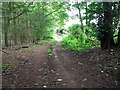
45, 41
73, 44
77, 40
49, 51
54, 42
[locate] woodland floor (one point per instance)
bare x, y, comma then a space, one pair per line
94, 68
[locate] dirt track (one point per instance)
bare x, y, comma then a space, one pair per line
63, 70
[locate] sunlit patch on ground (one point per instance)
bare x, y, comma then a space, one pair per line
59, 37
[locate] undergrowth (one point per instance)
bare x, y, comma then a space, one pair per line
50, 54
74, 44
77, 40
45, 41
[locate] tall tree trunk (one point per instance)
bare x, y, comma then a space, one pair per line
6, 24
107, 39
15, 29
21, 33
86, 13
18, 21
15, 33
21, 39
80, 16
43, 21
26, 23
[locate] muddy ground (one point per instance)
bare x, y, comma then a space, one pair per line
31, 68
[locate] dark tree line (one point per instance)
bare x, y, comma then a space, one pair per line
110, 21
107, 15
34, 21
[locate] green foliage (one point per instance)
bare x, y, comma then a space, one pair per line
54, 42
77, 40
74, 44
49, 50
3, 66
46, 16
118, 63
29, 49
51, 47
32, 20
6, 65
50, 54
45, 41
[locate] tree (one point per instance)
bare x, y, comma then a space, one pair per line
6, 14
47, 16
79, 6
28, 21
107, 38
106, 14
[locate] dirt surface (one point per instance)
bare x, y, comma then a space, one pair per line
33, 69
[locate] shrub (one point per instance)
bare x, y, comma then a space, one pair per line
74, 44
77, 40
54, 42
49, 51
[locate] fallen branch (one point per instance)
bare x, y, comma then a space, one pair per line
5, 52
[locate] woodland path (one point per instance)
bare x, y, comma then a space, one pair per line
63, 70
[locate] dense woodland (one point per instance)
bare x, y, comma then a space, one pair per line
30, 22
34, 21
85, 55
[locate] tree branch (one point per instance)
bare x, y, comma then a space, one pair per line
21, 12
51, 13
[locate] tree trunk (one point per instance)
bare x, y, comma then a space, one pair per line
80, 16
15, 29
86, 13
6, 25
107, 41
6, 33
15, 33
